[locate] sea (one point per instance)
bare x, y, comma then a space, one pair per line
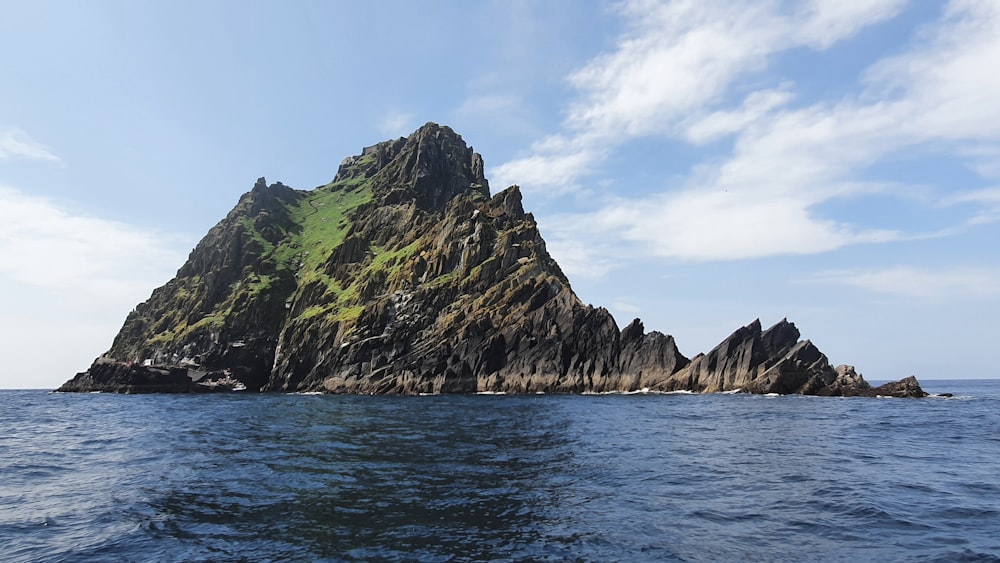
645, 477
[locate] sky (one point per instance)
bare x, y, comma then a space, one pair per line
697, 164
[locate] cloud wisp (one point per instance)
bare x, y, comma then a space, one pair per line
694, 72
89, 262
679, 59
15, 143
921, 283
986, 202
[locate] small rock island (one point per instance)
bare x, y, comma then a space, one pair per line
405, 275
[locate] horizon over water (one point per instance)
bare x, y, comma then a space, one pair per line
231, 477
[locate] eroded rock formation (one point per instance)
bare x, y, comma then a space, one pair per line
404, 275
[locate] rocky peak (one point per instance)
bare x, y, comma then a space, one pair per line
265, 198
429, 167
779, 337
508, 204
633, 332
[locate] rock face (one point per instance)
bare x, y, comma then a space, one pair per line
404, 275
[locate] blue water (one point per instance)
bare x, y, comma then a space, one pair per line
96, 477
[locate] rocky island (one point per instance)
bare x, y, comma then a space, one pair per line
405, 275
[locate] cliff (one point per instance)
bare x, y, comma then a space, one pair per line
404, 275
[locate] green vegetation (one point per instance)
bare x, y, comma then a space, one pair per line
165, 338
390, 262
323, 219
305, 230
255, 284
249, 227
349, 314
315, 311
343, 304
443, 279
210, 322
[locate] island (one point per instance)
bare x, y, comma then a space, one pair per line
405, 275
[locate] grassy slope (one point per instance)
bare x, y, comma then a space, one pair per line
311, 228
320, 223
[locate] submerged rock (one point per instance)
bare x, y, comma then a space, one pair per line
404, 275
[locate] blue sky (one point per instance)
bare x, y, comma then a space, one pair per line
698, 164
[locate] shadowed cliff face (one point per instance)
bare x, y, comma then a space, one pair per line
403, 275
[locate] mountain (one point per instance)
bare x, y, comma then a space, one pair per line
404, 275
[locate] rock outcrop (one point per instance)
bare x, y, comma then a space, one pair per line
404, 275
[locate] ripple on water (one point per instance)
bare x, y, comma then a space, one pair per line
638, 477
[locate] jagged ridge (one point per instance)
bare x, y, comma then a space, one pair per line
403, 275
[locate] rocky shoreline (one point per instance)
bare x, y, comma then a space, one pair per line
108, 376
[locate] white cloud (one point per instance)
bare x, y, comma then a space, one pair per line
984, 159
682, 57
579, 257
15, 143
556, 174
88, 261
942, 84
906, 281
826, 22
985, 195
727, 122
704, 225
986, 200
671, 75
66, 283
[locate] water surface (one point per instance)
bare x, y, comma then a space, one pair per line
95, 477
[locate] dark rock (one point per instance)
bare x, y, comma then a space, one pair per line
120, 377
908, 387
110, 376
403, 275
771, 361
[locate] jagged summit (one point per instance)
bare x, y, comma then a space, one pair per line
404, 275
431, 166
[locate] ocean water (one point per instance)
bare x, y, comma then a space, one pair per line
95, 477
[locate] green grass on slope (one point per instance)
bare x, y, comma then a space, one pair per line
321, 219
322, 215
